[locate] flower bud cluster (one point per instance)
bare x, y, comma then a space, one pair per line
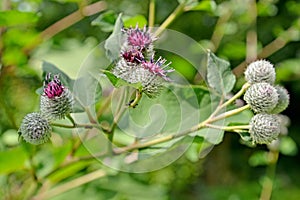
137, 64
266, 100
55, 103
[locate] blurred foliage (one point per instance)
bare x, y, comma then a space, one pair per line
236, 30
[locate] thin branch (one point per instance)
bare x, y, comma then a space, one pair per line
73, 18
270, 48
229, 128
151, 19
71, 184
219, 30
236, 96
268, 183
87, 126
230, 113
169, 137
179, 9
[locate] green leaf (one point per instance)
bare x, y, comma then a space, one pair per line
288, 146
12, 160
115, 40
69, 171
118, 82
14, 18
175, 110
139, 20
87, 90
208, 6
105, 21
219, 75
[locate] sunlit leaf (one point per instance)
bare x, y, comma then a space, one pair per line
208, 6
139, 20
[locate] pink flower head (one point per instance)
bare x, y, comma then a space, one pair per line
53, 88
140, 38
158, 67
133, 56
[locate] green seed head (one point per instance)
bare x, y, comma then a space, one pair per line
57, 107
260, 71
283, 100
35, 129
264, 128
262, 97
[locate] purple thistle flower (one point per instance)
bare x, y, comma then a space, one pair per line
53, 88
140, 38
133, 56
158, 67
57, 100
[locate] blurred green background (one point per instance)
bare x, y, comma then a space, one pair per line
239, 31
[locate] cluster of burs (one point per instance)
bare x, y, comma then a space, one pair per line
56, 102
267, 100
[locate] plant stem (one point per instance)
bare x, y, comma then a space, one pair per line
229, 113
87, 126
71, 119
229, 128
73, 18
270, 175
237, 95
197, 127
270, 48
151, 13
138, 96
179, 9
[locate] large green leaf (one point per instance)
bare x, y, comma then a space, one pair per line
175, 110
87, 90
219, 75
115, 40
